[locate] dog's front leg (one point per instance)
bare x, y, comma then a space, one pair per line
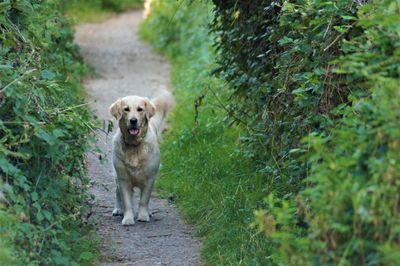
118, 210
145, 193
126, 191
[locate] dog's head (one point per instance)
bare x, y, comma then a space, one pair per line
133, 114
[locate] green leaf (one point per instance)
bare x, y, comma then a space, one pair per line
47, 214
47, 74
50, 139
34, 196
8, 168
39, 216
346, 17
86, 255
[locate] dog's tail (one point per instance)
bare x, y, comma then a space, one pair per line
163, 103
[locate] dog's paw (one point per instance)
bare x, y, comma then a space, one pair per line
128, 220
144, 216
117, 212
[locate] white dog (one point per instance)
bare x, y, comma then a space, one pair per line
147, 8
136, 153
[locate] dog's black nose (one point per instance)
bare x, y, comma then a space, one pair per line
133, 121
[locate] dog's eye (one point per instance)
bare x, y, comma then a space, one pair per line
126, 109
140, 109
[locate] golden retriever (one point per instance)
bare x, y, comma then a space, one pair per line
136, 153
147, 8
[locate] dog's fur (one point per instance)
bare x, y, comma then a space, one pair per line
136, 153
147, 8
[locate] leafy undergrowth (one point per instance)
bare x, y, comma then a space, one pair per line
323, 78
212, 182
97, 10
45, 131
315, 89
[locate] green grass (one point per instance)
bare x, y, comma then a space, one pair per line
98, 10
213, 184
6, 245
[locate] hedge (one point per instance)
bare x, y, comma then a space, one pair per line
45, 130
317, 84
315, 87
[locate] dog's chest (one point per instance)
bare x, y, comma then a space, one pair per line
140, 162
134, 161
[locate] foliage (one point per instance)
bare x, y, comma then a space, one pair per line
351, 204
44, 131
201, 171
97, 10
6, 247
313, 86
348, 213
275, 56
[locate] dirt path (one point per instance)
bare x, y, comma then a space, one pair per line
127, 66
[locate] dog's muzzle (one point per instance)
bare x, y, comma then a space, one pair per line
133, 128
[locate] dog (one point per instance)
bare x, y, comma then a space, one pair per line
147, 8
136, 152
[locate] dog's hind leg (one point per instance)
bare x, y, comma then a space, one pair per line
145, 193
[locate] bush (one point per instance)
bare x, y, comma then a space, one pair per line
313, 87
97, 10
348, 214
213, 184
276, 58
121, 5
45, 132
351, 203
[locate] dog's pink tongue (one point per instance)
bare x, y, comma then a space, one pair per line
134, 131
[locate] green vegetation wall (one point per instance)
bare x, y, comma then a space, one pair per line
277, 58
203, 170
317, 84
98, 5
314, 88
44, 133
96, 10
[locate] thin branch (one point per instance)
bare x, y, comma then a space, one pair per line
71, 108
176, 11
337, 38
230, 113
17, 79
327, 28
22, 123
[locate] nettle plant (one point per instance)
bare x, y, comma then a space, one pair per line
44, 133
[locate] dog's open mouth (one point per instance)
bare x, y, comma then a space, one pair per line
133, 131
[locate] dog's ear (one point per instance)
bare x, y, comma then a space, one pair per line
150, 108
115, 109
